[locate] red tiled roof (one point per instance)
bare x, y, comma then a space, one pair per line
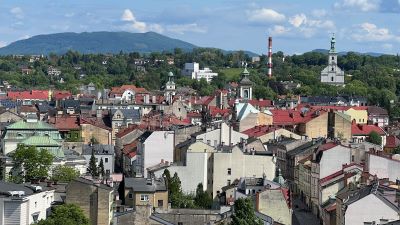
293, 117
215, 111
193, 114
65, 123
33, 94
258, 131
261, 103
365, 129
330, 177
392, 141
123, 88
95, 122
127, 130
59, 95
327, 146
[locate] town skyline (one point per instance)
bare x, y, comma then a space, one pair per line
296, 27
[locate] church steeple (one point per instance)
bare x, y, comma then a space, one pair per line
245, 87
170, 88
333, 41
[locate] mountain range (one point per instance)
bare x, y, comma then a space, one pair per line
98, 42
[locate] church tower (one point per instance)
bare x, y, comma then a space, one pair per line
332, 74
169, 91
245, 87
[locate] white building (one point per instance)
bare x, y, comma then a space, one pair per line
24, 204
105, 152
153, 147
233, 163
52, 71
224, 135
196, 170
383, 166
332, 74
193, 70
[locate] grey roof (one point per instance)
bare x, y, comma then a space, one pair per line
304, 147
43, 108
70, 103
91, 182
98, 149
133, 114
145, 185
6, 187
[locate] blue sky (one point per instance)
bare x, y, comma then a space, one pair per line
296, 26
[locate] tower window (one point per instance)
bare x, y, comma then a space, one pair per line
332, 79
246, 94
333, 58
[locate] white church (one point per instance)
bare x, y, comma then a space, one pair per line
332, 74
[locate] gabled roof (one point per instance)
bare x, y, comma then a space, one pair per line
65, 123
258, 131
41, 141
365, 129
23, 125
377, 111
33, 94
58, 95
145, 185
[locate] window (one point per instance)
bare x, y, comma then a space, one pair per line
130, 196
332, 79
106, 159
107, 171
228, 182
333, 58
229, 171
144, 198
352, 158
160, 203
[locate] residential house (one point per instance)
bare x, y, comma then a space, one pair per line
194, 170
193, 71
95, 128
248, 117
361, 132
124, 139
281, 149
52, 71
101, 152
121, 118
392, 142
33, 95
383, 165
68, 126
24, 204
142, 191
94, 198
327, 159
303, 181
378, 115
358, 114
371, 204
234, 162
269, 133
126, 92
152, 147
69, 107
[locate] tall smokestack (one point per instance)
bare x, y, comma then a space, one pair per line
270, 57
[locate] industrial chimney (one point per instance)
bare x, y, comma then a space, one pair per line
270, 57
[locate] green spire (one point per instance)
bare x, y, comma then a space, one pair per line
333, 41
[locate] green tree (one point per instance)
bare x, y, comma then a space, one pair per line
92, 166
244, 213
202, 199
100, 169
68, 214
374, 138
64, 173
34, 163
396, 150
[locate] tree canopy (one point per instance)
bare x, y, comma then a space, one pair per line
244, 213
30, 163
68, 214
64, 173
375, 138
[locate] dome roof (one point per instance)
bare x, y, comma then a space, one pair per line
279, 179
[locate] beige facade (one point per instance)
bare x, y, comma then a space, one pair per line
234, 164
96, 200
271, 202
342, 126
102, 135
360, 116
158, 199
316, 127
278, 133
255, 119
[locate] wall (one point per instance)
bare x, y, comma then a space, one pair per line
103, 136
225, 134
241, 165
333, 159
383, 167
272, 203
342, 127
159, 145
317, 127
107, 165
369, 209
360, 116
255, 119
182, 134
278, 133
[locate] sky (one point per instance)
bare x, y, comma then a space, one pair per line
296, 26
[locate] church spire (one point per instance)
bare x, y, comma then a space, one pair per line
333, 41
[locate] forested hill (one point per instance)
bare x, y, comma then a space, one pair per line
95, 42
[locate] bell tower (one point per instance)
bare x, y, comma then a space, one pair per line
245, 87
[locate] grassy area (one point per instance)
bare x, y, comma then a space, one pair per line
234, 73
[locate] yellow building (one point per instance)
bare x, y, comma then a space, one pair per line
359, 115
146, 192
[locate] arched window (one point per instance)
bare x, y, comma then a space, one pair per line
246, 94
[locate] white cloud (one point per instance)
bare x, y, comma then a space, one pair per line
363, 5
265, 15
370, 32
17, 12
183, 28
298, 20
278, 30
132, 24
3, 44
320, 12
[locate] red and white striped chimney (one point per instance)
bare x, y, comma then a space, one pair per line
270, 57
